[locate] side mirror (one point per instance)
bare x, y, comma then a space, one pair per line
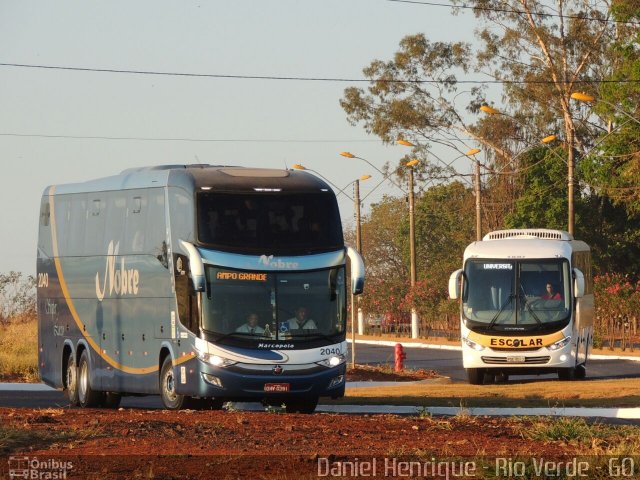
578, 283
196, 266
357, 271
454, 284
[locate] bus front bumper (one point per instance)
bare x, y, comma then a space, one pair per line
541, 358
262, 382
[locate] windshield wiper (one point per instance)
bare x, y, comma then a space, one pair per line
527, 305
497, 315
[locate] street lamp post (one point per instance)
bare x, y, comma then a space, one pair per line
570, 167
412, 248
583, 97
478, 191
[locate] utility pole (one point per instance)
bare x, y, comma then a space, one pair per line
478, 202
412, 254
356, 198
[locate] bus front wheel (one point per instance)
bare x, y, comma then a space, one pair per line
170, 399
567, 374
476, 376
301, 405
581, 372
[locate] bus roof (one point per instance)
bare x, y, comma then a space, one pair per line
525, 243
209, 177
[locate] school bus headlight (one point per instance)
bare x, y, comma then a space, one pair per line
471, 344
215, 360
333, 361
559, 344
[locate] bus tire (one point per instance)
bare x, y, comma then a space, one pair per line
111, 400
567, 374
170, 399
87, 396
581, 372
301, 405
71, 381
475, 376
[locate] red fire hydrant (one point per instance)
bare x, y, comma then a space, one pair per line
400, 357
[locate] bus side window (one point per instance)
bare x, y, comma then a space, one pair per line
155, 231
136, 222
94, 231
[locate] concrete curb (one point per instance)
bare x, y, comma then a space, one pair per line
617, 413
389, 343
613, 413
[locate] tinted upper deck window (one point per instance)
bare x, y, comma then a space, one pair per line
283, 224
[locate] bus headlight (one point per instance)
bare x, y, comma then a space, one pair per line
215, 360
471, 344
559, 344
332, 361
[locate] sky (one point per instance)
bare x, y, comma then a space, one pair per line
246, 122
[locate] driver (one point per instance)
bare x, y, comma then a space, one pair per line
551, 294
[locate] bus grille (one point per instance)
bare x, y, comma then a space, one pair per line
527, 361
515, 350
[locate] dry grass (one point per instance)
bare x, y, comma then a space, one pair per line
19, 351
601, 393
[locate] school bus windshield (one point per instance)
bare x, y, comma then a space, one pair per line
516, 295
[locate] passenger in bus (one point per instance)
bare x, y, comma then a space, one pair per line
251, 326
301, 321
551, 294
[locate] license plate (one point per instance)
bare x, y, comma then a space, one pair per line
276, 387
515, 359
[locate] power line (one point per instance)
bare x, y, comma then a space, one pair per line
177, 139
520, 12
308, 79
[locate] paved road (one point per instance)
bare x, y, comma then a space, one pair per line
449, 363
446, 362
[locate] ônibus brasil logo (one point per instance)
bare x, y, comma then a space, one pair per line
121, 280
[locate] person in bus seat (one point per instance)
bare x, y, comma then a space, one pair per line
551, 294
251, 326
301, 321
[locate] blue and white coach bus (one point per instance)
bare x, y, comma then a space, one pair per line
199, 283
527, 305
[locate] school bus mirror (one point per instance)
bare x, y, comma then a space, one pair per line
578, 283
357, 271
454, 285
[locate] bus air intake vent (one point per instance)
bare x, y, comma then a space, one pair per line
527, 361
529, 233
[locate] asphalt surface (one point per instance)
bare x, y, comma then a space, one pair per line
446, 362
449, 363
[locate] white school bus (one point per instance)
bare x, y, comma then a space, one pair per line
526, 305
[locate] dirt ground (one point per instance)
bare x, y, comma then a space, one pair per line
137, 443
186, 444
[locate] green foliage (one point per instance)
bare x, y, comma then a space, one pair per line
543, 202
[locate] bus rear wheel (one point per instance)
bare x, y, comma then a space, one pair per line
170, 399
476, 376
301, 405
87, 396
71, 381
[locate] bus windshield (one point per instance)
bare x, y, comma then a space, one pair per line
282, 224
247, 306
510, 295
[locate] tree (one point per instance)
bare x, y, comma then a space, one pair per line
614, 168
541, 53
